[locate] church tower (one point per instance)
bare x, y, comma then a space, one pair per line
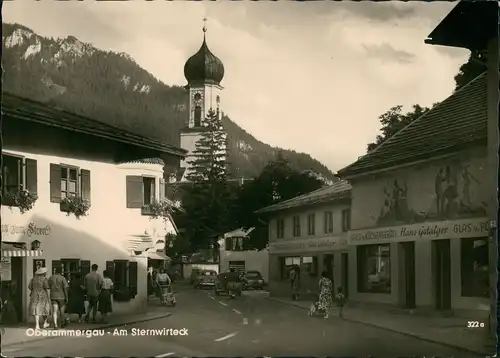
203, 72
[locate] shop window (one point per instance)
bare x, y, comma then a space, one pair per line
280, 228
286, 264
328, 222
68, 182
311, 224
474, 267
310, 265
296, 226
374, 270
18, 173
346, 220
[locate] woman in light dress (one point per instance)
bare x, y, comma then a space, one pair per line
325, 293
105, 296
39, 297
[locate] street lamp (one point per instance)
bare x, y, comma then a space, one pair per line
35, 245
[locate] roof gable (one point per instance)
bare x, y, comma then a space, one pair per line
336, 191
15, 107
455, 124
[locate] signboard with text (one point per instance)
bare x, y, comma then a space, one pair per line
307, 245
30, 230
453, 229
5, 268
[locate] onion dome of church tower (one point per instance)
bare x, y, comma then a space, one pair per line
204, 66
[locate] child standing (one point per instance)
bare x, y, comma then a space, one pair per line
340, 299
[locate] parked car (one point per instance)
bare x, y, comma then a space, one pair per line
206, 279
253, 280
227, 283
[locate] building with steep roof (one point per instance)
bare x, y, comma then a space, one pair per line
77, 192
419, 224
310, 231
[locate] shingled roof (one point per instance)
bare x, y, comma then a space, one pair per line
337, 191
15, 107
457, 123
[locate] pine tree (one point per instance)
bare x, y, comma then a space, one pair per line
210, 155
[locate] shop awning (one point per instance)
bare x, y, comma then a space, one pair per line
139, 243
158, 255
9, 250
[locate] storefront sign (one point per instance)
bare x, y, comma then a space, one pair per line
29, 230
5, 269
307, 245
423, 231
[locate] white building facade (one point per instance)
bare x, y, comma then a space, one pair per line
117, 230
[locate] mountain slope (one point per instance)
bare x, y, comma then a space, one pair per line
112, 88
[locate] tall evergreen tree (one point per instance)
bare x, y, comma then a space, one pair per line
210, 154
209, 198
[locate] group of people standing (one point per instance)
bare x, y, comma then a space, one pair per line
326, 291
55, 295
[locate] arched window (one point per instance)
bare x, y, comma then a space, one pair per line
197, 116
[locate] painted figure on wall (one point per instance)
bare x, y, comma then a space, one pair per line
395, 207
454, 184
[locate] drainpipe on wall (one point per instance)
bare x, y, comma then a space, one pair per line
493, 142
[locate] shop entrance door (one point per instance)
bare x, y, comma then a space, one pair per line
328, 265
442, 274
345, 274
408, 274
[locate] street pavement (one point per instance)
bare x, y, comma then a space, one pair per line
248, 326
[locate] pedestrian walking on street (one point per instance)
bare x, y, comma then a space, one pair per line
105, 296
58, 297
39, 297
295, 281
76, 301
325, 293
93, 283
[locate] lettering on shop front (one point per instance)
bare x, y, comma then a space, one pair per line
30, 230
428, 231
308, 246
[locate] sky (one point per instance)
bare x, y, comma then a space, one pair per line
309, 76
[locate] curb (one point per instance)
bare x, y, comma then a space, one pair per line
425, 339
103, 326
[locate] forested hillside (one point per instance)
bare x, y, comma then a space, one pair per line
112, 88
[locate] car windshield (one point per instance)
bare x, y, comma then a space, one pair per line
253, 274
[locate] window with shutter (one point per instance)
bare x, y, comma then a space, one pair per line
55, 183
162, 189
134, 191
31, 183
132, 278
12, 178
85, 184
84, 267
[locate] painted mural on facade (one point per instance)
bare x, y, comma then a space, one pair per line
455, 193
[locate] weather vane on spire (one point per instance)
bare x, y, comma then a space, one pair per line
204, 24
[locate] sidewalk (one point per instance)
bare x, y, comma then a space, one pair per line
18, 335
449, 331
